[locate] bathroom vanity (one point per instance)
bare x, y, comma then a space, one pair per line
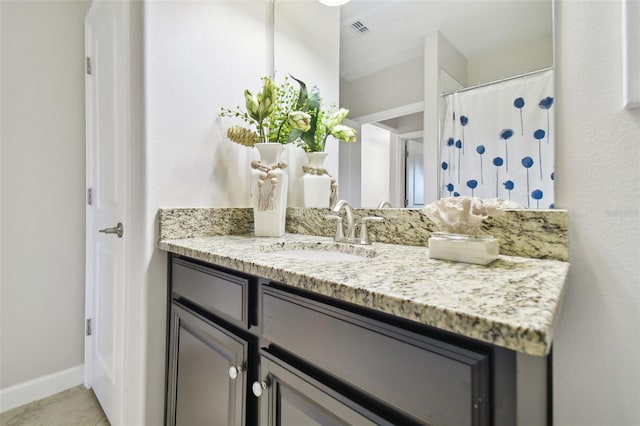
259, 334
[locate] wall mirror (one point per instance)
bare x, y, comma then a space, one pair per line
397, 58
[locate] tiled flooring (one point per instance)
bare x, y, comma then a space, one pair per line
74, 407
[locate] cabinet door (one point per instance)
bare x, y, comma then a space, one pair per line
428, 379
207, 384
289, 397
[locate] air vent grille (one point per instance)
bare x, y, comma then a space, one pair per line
359, 26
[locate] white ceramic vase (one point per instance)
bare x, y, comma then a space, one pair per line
269, 199
316, 187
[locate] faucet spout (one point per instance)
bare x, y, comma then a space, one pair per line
351, 230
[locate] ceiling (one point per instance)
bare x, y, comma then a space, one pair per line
396, 29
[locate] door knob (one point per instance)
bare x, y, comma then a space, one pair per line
259, 387
234, 371
118, 230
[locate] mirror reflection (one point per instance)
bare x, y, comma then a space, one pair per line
397, 59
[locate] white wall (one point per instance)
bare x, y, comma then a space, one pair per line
439, 55
597, 344
349, 187
364, 96
307, 46
525, 58
43, 194
199, 56
375, 165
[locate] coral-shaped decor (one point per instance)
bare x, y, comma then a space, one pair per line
464, 215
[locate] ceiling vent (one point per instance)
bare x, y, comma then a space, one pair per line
359, 27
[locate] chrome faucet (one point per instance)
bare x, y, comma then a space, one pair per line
351, 228
384, 204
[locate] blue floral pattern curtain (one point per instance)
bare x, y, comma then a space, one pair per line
498, 142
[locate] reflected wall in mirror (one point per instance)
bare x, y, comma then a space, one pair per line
306, 40
396, 59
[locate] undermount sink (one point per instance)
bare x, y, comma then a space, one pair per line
320, 251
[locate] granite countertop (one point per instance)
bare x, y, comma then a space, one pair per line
512, 303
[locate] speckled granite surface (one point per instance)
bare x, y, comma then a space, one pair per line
200, 222
540, 234
512, 303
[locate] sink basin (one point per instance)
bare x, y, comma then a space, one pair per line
320, 255
320, 251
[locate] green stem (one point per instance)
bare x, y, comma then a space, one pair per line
262, 135
324, 142
279, 129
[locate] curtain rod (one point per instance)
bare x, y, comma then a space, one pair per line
513, 77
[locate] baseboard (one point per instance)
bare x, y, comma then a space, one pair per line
40, 387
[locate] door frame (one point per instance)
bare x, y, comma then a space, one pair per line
400, 166
396, 152
91, 234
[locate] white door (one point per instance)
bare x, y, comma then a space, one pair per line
414, 173
107, 128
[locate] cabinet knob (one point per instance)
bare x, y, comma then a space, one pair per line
259, 387
235, 371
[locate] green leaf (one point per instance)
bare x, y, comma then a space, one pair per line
314, 100
295, 134
302, 97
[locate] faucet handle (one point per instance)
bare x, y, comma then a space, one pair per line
339, 229
364, 234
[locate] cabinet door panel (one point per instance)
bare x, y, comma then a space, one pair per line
200, 389
435, 382
294, 399
216, 291
199, 401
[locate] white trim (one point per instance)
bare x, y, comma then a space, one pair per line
399, 186
90, 183
391, 113
40, 387
396, 170
631, 54
412, 135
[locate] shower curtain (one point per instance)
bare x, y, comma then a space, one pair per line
498, 142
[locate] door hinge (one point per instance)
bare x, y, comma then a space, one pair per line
88, 65
88, 327
90, 196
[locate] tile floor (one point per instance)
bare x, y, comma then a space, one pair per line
74, 407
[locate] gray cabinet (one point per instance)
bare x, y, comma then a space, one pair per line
432, 381
206, 365
247, 351
289, 396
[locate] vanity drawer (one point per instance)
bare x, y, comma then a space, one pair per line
429, 379
216, 291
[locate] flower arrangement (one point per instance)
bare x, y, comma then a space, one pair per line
271, 112
287, 114
324, 123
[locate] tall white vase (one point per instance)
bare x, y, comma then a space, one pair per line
316, 185
269, 199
